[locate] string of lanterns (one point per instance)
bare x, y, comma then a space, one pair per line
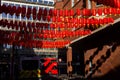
26, 40
58, 24
47, 14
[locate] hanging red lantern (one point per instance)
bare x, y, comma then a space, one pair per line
28, 14
105, 21
53, 19
18, 11
10, 10
114, 11
11, 23
100, 11
55, 12
96, 21
4, 9
93, 12
48, 18
84, 12
65, 12
34, 13
110, 11
16, 25
78, 12
39, 14
110, 20
23, 11
101, 22
106, 11
88, 22
13, 9
59, 19
61, 12
45, 12
44, 18
71, 12
50, 12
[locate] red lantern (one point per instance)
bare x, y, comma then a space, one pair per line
28, 12
84, 12
48, 18
34, 13
93, 12
53, 19
65, 12
100, 11
61, 12
71, 12
23, 11
44, 18
106, 11
78, 12
45, 12
18, 11
13, 9
88, 22
10, 10
4, 9
55, 12
50, 12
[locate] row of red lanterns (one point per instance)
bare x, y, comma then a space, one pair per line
62, 34
99, 11
38, 27
35, 43
41, 13
23, 25
48, 14
80, 22
44, 34
112, 3
13, 38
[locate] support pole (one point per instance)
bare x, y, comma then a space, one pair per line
69, 62
12, 63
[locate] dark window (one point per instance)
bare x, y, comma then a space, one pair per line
30, 64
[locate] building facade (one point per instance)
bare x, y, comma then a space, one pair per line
17, 62
96, 52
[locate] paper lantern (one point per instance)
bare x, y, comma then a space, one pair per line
50, 12
93, 12
61, 12
28, 14
65, 12
23, 11
78, 12
55, 12
71, 12
45, 12
34, 13
18, 11
100, 11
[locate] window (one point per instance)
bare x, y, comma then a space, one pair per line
30, 64
29, 0
51, 3
59, 0
45, 2
34, 0
40, 1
